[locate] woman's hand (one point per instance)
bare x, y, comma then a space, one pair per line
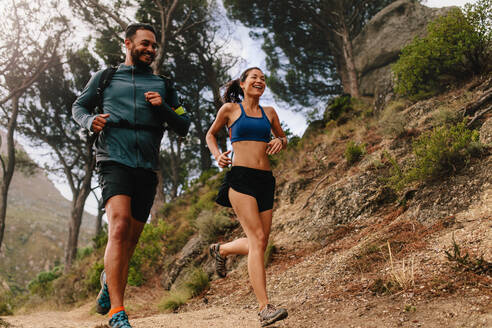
223, 160
274, 146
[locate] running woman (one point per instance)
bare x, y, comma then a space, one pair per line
249, 186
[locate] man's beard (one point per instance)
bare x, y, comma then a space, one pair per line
136, 54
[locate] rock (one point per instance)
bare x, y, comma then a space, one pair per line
486, 132
380, 42
192, 250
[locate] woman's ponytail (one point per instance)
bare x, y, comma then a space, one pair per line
233, 92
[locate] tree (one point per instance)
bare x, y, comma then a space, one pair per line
26, 52
308, 43
47, 121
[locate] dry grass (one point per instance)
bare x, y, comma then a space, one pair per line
404, 276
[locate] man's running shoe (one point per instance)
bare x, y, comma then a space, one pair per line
103, 304
119, 320
220, 262
271, 314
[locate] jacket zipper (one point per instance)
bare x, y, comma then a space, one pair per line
135, 113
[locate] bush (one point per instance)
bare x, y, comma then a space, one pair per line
93, 275
270, 250
211, 225
337, 106
174, 300
457, 45
443, 151
437, 153
197, 282
84, 252
354, 152
446, 116
392, 123
43, 283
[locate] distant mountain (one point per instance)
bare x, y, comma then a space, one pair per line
36, 228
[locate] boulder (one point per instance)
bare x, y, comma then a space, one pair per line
380, 42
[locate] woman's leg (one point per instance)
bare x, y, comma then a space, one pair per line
240, 245
246, 209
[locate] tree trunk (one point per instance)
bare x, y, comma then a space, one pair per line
160, 198
78, 202
100, 214
351, 84
8, 170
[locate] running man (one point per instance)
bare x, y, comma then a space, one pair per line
135, 105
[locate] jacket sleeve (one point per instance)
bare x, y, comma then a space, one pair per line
83, 107
173, 113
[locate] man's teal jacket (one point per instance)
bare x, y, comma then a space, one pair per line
124, 100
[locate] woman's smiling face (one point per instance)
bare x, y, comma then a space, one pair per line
254, 85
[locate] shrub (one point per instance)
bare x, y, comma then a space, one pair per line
270, 250
84, 252
174, 300
337, 106
354, 152
211, 225
446, 116
148, 251
43, 283
93, 275
457, 45
197, 282
443, 151
437, 153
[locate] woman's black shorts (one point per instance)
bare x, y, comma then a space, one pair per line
140, 184
259, 184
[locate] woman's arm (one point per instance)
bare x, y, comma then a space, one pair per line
220, 121
280, 141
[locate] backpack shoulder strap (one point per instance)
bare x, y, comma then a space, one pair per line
104, 82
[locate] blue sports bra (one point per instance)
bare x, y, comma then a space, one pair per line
250, 128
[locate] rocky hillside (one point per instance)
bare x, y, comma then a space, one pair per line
36, 228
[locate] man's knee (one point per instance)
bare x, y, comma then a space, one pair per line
119, 227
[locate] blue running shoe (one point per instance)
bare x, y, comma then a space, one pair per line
103, 303
119, 320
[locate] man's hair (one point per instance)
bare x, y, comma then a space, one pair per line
132, 29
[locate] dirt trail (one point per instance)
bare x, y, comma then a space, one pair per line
216, 317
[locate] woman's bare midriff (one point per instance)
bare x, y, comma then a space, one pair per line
251, 154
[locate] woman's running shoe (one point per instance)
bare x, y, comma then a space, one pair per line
220, 262
271, 314
103, 303
119, 320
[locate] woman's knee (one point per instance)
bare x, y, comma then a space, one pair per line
259, 241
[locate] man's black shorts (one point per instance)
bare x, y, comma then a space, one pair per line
257, 183
140, 184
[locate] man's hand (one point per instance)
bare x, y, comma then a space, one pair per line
154, 98
223, 160
99, 122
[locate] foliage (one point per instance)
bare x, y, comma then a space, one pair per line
393, 123
270, 250
456, 46
174, 300
93, 275
212, 225
197, 282
437, 153
42, 285
303, 42
466, 263
337, 106
206, 201
354, 152
148, 251
447, 116
84, 252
